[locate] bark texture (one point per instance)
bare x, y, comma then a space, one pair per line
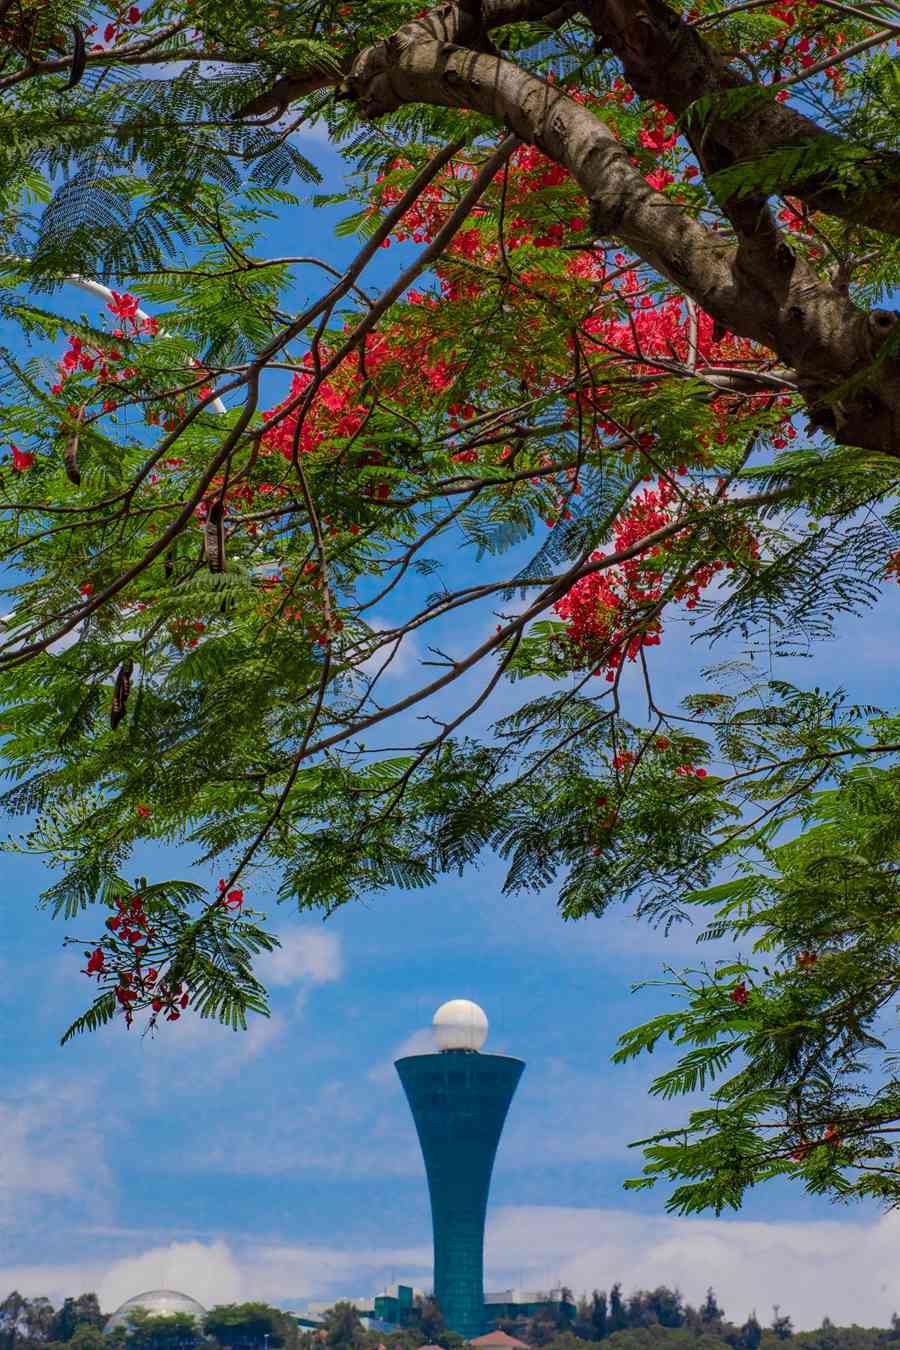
845, 360
668, 61
759, 289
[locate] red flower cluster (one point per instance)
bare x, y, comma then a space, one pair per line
739, 994
233, 900
172, 1001
131, 935
131, 924
334, 412
601, 606
659, 135
105, 364
122, 959
113, 31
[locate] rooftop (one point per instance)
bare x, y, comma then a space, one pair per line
498, 1340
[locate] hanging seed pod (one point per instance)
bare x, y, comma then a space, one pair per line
79, 57
120, 694
168, 567
70, 459
214, 538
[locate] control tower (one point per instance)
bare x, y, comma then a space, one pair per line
459, 1099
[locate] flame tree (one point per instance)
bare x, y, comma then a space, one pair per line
628, 359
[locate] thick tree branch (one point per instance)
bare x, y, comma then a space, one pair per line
761, 290
668, 61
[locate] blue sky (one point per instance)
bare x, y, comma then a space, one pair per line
282, 1163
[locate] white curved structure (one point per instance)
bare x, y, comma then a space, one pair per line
460, 1025
158, 1302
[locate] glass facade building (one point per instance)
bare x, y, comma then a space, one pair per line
459, 1101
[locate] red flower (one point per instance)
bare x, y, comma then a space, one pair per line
109, 32
21, 459
86, 588
233, 900
656, 139
659, 179
134, 14
806, 960
739, 994
142, 810
123, 306
95, 965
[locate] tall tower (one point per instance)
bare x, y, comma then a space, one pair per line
459, 1100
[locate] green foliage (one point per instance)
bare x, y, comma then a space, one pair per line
145, 1330
286, 562
237, 1325
795, 1033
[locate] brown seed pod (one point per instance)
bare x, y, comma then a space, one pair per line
120, 694
70, 459
79, 57
214, 538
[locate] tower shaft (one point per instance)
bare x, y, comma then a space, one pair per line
459, 1101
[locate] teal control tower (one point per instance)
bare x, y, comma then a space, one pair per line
459, 1099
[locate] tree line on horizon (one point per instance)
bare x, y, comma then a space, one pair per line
657, 1319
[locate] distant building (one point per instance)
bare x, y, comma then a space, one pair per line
459, 1100
507, 1305
159, 1303
397, 1307
393, 1308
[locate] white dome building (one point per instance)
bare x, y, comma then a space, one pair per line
460, 1025
160, 1303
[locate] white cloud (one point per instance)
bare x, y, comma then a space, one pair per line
52, 1146
421, 1042
305, 954
614, 1109
222, 1272
210, 1273
809, 1269
25, 1162
206, 1052
402, 657
214, 1053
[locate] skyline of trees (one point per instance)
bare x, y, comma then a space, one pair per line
657, 1319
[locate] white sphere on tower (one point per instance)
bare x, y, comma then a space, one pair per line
460, 1025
